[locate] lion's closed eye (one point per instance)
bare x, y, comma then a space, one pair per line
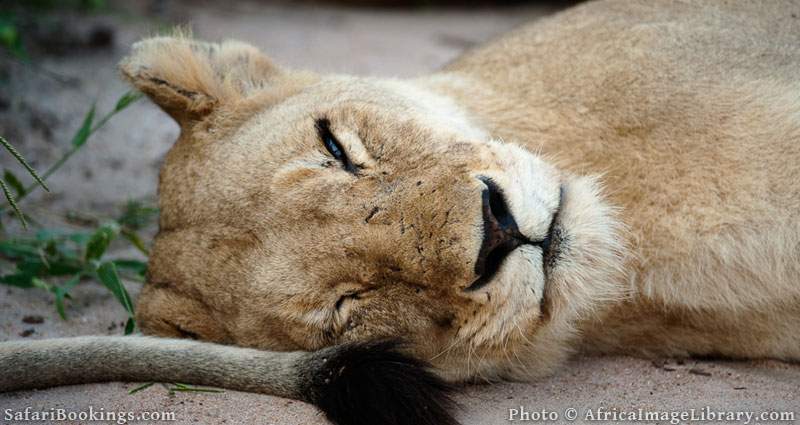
334, 147
346, 305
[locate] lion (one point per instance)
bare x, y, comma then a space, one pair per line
621, 177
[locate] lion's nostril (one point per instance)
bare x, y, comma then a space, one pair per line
500, 233
498, 209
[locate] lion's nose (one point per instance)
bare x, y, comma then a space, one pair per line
501, 234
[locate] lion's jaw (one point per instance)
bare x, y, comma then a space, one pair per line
267, 240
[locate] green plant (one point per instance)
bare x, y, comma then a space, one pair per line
177, 387
87, 128
57, 260
10, 38
10, 179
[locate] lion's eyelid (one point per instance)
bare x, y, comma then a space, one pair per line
334, 146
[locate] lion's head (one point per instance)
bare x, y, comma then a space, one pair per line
300, 211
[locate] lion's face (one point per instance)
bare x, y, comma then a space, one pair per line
301, 211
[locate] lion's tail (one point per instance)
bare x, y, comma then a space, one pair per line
369, 383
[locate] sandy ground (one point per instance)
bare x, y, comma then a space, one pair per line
36, 111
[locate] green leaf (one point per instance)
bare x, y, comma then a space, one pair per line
136, 241
20, 280
80, 238
78, 140
137, 215
63, 267
19, 248
48, 253
136, 266
39, 283
61, 236
8, 35
188, 389
24, 163
13, 204
46, 235
62, 292
60, 309
32, 266
127, 99
141, 387
53, 267
107, 274
130, 326
86, 129
10, 39
100, 240
13, 182
92, 5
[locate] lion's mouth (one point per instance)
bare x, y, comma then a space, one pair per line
551, 244
502, 236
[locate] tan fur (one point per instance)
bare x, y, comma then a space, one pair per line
674, 128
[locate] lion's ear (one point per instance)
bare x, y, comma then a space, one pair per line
189, 79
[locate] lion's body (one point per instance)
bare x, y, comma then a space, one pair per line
692, 115
491, 259
690, 112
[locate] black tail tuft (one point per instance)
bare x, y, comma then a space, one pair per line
373, 383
